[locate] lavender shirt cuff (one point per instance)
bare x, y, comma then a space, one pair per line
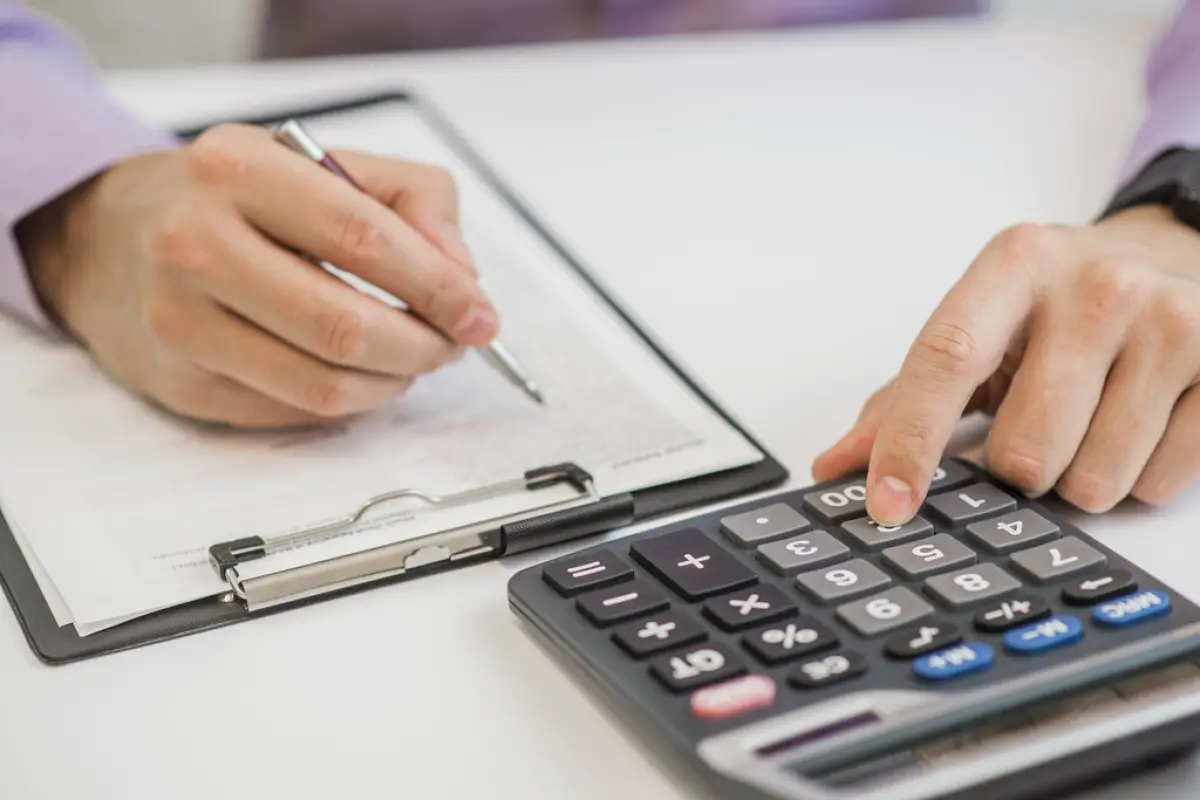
1173, 93
58, 130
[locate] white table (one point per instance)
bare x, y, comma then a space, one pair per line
759, 182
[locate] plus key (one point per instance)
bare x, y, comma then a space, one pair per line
692, 564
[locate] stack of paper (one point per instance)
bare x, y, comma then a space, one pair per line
115, 503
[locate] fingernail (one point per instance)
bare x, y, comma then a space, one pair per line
892, 501
456, 247
478, 322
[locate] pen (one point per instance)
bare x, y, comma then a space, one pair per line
293, 134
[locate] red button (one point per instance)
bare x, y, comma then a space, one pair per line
734, 697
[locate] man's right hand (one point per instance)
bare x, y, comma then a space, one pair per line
179, 272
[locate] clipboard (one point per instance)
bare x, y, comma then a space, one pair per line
586, 513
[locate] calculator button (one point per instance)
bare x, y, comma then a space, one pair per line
1132, 609
955, 662
843, 581
1058, 559
591, 571
692, 564
864, 532
734, 697
970, 503
1098, 588
1046, 635
753, 528
838, 503
895, 608
624, 601
749, 607
786, 641
815, 549
825, 670
1012, 531
971, 585
935, 554
948, 475
696, 667
674, 628
922, 639
1010, 613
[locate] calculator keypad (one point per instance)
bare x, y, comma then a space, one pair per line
623, 601
790, 640
815, 549
1058, 559
885, 611
1010, 532
752, 528
971, 502
843, 581
659, 632
791, 599
971, 586
749, 607
866, 534
928, 556
692, 564
697, 666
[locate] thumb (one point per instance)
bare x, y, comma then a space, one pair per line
426, 197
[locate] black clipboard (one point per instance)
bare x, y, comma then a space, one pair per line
55, 645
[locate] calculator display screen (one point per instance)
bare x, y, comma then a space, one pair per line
813, 736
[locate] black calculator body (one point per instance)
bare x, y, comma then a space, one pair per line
787, 647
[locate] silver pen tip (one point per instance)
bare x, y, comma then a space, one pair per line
533, 391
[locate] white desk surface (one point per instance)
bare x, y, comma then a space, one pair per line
740, 195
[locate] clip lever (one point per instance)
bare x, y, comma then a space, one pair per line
476, 539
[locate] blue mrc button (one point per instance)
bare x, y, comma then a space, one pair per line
1042, 636
954, 662
1132, 609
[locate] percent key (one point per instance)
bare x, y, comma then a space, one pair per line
781, 642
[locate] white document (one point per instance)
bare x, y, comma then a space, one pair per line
118, 502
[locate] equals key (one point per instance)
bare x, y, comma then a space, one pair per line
585, 572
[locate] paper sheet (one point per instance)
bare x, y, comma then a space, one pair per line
120, 502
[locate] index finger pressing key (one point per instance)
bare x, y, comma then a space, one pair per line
958, 349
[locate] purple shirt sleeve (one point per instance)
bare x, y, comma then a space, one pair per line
1173, 93
58, 129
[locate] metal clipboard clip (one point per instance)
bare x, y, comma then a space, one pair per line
550, 523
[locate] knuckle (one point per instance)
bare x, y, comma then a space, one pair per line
189, 396
360, 242
1110, 287
441, 181
217, 157
166, 321
176, 240
1025, 469
947, 348
1176, 318
1088, 491
911, 438
1023, 244
345, 337
329, 394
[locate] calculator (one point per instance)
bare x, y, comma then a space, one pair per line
790, 647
